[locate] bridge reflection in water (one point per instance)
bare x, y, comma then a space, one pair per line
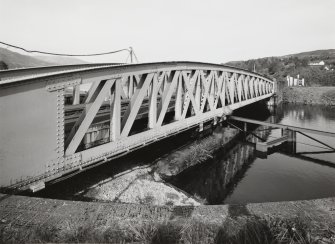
294, 170
212, 181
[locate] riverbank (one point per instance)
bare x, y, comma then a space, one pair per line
147, 184
309, 95
30, 219
196, 153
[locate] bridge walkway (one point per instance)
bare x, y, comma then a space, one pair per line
288, 135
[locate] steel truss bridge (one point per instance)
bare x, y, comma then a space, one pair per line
60, 120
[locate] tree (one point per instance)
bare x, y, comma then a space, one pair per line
274, 67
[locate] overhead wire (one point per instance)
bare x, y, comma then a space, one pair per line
64, 54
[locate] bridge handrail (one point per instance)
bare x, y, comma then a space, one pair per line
283, 126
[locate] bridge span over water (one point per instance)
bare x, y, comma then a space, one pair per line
60, 120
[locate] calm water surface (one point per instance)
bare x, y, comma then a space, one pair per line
305, 174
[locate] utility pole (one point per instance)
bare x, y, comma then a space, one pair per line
131, 54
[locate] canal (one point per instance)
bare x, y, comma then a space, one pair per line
306, 174
237, 174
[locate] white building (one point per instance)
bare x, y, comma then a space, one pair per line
321, 63
291, 81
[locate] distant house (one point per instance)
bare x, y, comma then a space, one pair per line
321, 63
291, 81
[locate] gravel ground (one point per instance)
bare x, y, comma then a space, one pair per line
139, 185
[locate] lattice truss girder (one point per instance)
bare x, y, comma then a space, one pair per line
193, 93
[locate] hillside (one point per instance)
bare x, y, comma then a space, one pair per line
14, 60
295, 64
61, 60
314, 54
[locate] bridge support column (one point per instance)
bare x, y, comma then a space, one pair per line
292, 141
201, 127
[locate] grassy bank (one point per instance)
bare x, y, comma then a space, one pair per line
244, 229
37, 220
310, 95
195, 153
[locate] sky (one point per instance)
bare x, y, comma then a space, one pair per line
213, 31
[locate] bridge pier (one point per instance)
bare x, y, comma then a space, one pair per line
292, 141
287, 136
272, 101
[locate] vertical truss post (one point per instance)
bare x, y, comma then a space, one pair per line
211, 97
231, 87
256, 87
239, 88
153, 102
179, 104
251, 87
115, 119
76, 95
130, 86
198, 90
246, 87
259, 87
222, 90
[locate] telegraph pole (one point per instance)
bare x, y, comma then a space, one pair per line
131, 54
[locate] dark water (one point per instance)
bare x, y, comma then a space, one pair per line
241, 176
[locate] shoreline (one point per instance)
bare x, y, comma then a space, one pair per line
309, 95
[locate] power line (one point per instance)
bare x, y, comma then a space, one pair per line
64, 54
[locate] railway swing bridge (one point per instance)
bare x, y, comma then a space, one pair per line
46, 134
